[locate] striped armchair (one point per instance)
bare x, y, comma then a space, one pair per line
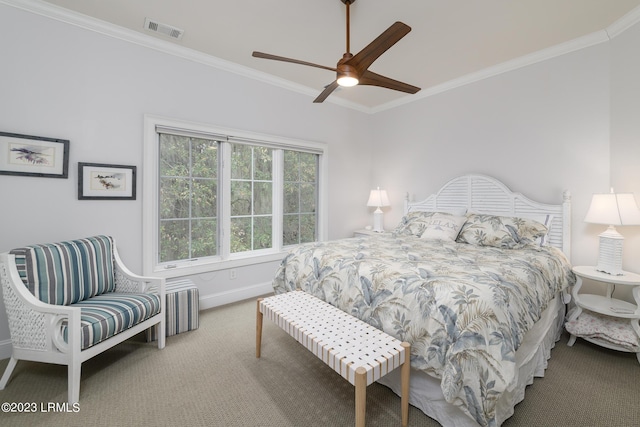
69, 301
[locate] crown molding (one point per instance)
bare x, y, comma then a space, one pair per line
504, 67
624, 23
64, 15
74, 18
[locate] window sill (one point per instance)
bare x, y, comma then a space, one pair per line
194, 267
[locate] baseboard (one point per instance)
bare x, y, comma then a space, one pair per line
5, 349
222, 298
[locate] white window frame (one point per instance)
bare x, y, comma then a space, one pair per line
225, 260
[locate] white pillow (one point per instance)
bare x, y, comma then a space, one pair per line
443, 226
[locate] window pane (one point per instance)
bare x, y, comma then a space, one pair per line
263, 164
291, 198
308, 167
262, 238
174, 240
203, 237
307, 228
262, 198
291, 166
174, 198
307, 198
300, 197
174, 155
291, 228
188, 198
240, 234
240, 198
240, 161
204, 198
251, 197
204, 158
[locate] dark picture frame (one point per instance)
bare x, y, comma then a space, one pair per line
98, 181
29, 155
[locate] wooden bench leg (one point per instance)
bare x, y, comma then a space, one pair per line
258, 328
404, 383
361, 395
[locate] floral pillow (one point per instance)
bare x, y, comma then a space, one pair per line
443, 226
501, 231
413, 224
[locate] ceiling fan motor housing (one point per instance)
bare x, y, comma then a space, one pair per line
346, 75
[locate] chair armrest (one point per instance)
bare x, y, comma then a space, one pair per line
128, 282
33, 324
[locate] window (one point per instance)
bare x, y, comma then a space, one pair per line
188, 186
300, 197
251, 198
216, 198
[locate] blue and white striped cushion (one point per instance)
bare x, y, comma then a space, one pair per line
67, 272
105, 315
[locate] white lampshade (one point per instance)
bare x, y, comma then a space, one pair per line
612, 209
378, 198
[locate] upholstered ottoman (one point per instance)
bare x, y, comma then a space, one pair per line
181, 309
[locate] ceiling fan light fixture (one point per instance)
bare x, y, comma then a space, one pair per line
347, 81
346, 75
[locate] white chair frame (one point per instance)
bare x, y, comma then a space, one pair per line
35, 326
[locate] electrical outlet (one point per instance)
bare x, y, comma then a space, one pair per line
233, 274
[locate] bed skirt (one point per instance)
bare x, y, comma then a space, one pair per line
532, 356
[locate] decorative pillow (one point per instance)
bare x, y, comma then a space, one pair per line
443, 226
608, 329
545, 220
501, 231
413, 224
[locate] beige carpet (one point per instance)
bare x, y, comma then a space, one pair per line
210, 377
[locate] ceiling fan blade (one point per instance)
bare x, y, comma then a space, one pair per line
295, 61
326, 92
363, 59
372, 79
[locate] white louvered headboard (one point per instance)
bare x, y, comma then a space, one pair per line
483, 194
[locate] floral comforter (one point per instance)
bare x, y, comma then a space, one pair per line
464, 308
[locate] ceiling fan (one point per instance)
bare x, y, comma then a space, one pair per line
352, 69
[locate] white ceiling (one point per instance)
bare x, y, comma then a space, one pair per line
450, 39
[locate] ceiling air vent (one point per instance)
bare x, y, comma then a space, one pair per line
167, 30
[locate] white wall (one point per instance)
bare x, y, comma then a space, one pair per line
539, 129
58, 80
625, 133
565, 123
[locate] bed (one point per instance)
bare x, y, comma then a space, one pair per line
475, 277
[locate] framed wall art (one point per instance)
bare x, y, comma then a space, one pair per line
98, 181
33, 156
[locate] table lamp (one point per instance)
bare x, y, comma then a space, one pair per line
612, 209
377, 199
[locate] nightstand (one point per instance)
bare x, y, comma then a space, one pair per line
607, 305
366, 233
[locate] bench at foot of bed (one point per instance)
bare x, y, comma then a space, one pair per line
356, 350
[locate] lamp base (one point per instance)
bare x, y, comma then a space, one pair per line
610, 252
378, 220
